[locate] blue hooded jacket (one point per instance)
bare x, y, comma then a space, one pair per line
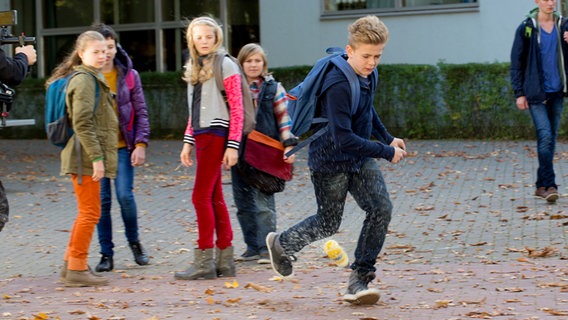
526, 64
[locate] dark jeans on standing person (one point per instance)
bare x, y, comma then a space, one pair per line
368, 188
546, 118
123, 184
256, 212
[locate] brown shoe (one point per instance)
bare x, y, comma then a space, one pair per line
83, 278
550, 194
63, 273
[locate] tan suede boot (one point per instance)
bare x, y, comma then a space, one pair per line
83, 278
203, 266
225, 262
63, 272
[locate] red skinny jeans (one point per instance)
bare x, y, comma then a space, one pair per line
208, 200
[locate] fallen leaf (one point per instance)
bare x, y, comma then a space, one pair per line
546, 252
522, 209
555, 312
257, 287
233, 284
524, 260
553, 285
510, 289
41, 316
77, 312
424, 208
479, 315
232, 301
476, 302
441, 304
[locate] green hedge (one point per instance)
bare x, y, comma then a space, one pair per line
470, 101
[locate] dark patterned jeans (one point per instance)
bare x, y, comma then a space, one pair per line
4, 209
369, 191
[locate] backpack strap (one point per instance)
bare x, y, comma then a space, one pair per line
311, 138
340, 61
353, 79
218, 73
97, 89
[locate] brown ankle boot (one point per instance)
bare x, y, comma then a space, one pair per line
63, 272
84, 278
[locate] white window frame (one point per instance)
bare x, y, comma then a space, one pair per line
399, 9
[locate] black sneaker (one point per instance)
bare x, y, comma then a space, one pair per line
140, 255
358, 291
248, 256
281, 262
106, 264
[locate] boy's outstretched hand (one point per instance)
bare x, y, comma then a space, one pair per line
396, 142
399, 150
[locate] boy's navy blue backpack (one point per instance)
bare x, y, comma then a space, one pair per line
303, 98
57, 124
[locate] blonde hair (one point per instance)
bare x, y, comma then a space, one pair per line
368, 30
250, 49
72, 60
195, 73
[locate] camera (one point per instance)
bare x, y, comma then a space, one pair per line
7, 19
7, 94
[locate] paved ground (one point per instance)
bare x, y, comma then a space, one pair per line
467, 241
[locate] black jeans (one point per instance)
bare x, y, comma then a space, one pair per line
369, 191
4, 208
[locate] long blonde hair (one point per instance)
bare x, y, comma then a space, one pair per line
73, 59
195, 73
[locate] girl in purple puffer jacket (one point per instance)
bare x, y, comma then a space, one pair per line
133, 134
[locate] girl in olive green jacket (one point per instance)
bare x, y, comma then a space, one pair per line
90, 154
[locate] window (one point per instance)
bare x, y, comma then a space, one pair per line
62, 14
151, 31
57, 48
127, 11
175, 10
243, 20
400, 6
141, 47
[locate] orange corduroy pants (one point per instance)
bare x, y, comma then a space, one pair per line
88, 215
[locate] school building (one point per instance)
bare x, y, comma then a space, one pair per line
293, 32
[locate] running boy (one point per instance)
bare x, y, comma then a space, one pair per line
343, 160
